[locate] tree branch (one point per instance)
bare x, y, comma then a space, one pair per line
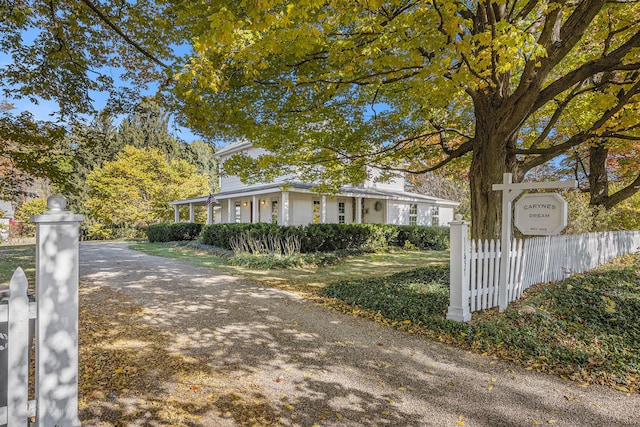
121, 33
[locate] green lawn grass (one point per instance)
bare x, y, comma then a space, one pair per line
308, 278
14, 256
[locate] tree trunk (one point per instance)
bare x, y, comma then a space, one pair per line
598, 179
489, 162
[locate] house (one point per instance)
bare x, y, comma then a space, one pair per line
289, 201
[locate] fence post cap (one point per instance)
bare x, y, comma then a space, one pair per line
56, 203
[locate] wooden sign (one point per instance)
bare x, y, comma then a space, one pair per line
541, 214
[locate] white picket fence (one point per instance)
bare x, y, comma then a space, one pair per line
16, 313
54, 315
475, 266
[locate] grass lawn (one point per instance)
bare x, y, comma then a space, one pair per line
305, 279
14, 256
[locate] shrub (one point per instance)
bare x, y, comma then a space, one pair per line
425, 238
173, 232
328, 237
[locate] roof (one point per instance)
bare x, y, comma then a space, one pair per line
234, 147
306, 188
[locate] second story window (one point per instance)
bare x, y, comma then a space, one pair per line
316, 211
341, 211
413, 214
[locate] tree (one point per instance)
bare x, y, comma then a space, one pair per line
29, 149
507, 85
136, 187
66, 50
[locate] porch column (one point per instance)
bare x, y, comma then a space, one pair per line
176, 213
192, 213
323, 209
230, 219
210, 213
358, 210
284, 217
254, 209
385, 214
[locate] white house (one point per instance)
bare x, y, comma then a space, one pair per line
289, 201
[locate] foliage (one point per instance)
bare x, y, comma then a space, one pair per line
583, 328
173, 232
331, 237
270, 244
505, 86
25, 210
66, 51
137, 186
424, 238
418, 296
586, 218
266, 261
28, 149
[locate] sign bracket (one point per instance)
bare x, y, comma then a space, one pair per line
510, 191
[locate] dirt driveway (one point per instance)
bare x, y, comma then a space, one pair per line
233, 352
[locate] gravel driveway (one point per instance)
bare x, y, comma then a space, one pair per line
315, 366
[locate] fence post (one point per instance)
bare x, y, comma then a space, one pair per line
458, 281
57, 320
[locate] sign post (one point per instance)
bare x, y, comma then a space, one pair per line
510, 192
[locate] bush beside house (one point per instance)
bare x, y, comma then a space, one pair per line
311, 238
173, 232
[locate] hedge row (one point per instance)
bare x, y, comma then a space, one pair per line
173, 232
313, 237
333, 237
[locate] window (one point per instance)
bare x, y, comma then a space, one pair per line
316, 211
413, 214
435, 216
238, 213
341, 210
274, 211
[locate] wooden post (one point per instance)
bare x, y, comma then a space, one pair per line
458, 282
57, 321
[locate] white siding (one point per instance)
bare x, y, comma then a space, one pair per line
398, 213
396, 183
302, 208
446, 216
371, 216
332, 210
233, 183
